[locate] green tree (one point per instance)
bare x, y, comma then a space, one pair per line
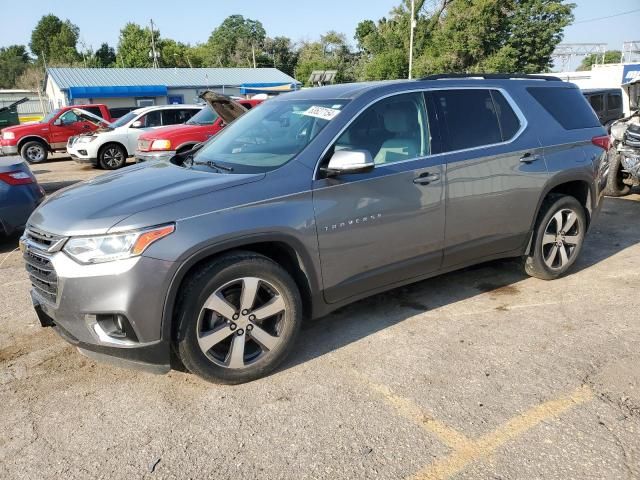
464, 36
612, 56
55, 41
13, 62
237, 42
280, 52
174, 54
330, 53
105, 56
134, 46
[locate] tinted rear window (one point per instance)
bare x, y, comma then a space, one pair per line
567, 106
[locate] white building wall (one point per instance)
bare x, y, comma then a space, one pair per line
600, 76
56, 97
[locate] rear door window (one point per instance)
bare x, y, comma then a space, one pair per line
468, 118
507, 118
177, 115
567, 106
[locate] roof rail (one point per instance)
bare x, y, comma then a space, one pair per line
491, 76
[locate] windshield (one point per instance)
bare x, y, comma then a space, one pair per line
206, 116
49, 116
124, 120
268, 137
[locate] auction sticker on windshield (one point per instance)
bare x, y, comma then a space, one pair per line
321, 112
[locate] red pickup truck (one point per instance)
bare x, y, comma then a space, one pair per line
34, 141
163, 143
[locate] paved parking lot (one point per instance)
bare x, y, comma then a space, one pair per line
483, 373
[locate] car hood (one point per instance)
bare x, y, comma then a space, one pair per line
19, 130
226, 108
94, 206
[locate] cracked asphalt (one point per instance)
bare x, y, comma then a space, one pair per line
482, 373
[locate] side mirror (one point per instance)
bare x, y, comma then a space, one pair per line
136, 124
349, 161
57, 122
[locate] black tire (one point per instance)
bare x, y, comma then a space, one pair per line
34, 151
537, 262
213, 278
615, 187
112, 156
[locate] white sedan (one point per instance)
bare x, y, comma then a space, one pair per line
109, 146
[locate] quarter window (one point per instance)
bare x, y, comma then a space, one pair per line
614, 101
468, 118
392, 130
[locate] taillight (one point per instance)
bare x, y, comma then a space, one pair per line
603, 141
16, 178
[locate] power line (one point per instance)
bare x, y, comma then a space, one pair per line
608, 16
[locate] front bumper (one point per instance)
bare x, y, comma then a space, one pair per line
164, 155
9, 149
83, 160
83, 294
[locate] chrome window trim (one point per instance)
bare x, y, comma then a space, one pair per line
514, 106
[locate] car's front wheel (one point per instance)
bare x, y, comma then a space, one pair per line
558, 237
238, 318
112, 157
34, 152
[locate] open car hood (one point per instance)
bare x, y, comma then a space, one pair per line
226, 108
91, 118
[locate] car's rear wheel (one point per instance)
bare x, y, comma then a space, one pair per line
34, 152
112, 157
238, 318
558, 237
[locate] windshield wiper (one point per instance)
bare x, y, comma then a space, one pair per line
214, 165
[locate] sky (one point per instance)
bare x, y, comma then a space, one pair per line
192, 21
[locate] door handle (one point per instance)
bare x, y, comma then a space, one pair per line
529, 158
426, 178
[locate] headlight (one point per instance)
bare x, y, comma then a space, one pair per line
8, 135
85, 139
161, 145
106, 248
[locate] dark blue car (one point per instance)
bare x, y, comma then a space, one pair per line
20, 194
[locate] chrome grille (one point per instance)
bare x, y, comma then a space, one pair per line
42, 275
42, 240
38, 246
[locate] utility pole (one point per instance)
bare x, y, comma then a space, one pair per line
412, 27
153, 47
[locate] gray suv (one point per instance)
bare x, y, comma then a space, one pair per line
308, 202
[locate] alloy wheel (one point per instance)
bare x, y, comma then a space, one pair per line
113, 157
241, 322
561, 239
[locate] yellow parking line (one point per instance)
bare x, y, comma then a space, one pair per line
486, 445
408, 409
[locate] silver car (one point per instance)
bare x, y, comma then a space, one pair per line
308, 202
